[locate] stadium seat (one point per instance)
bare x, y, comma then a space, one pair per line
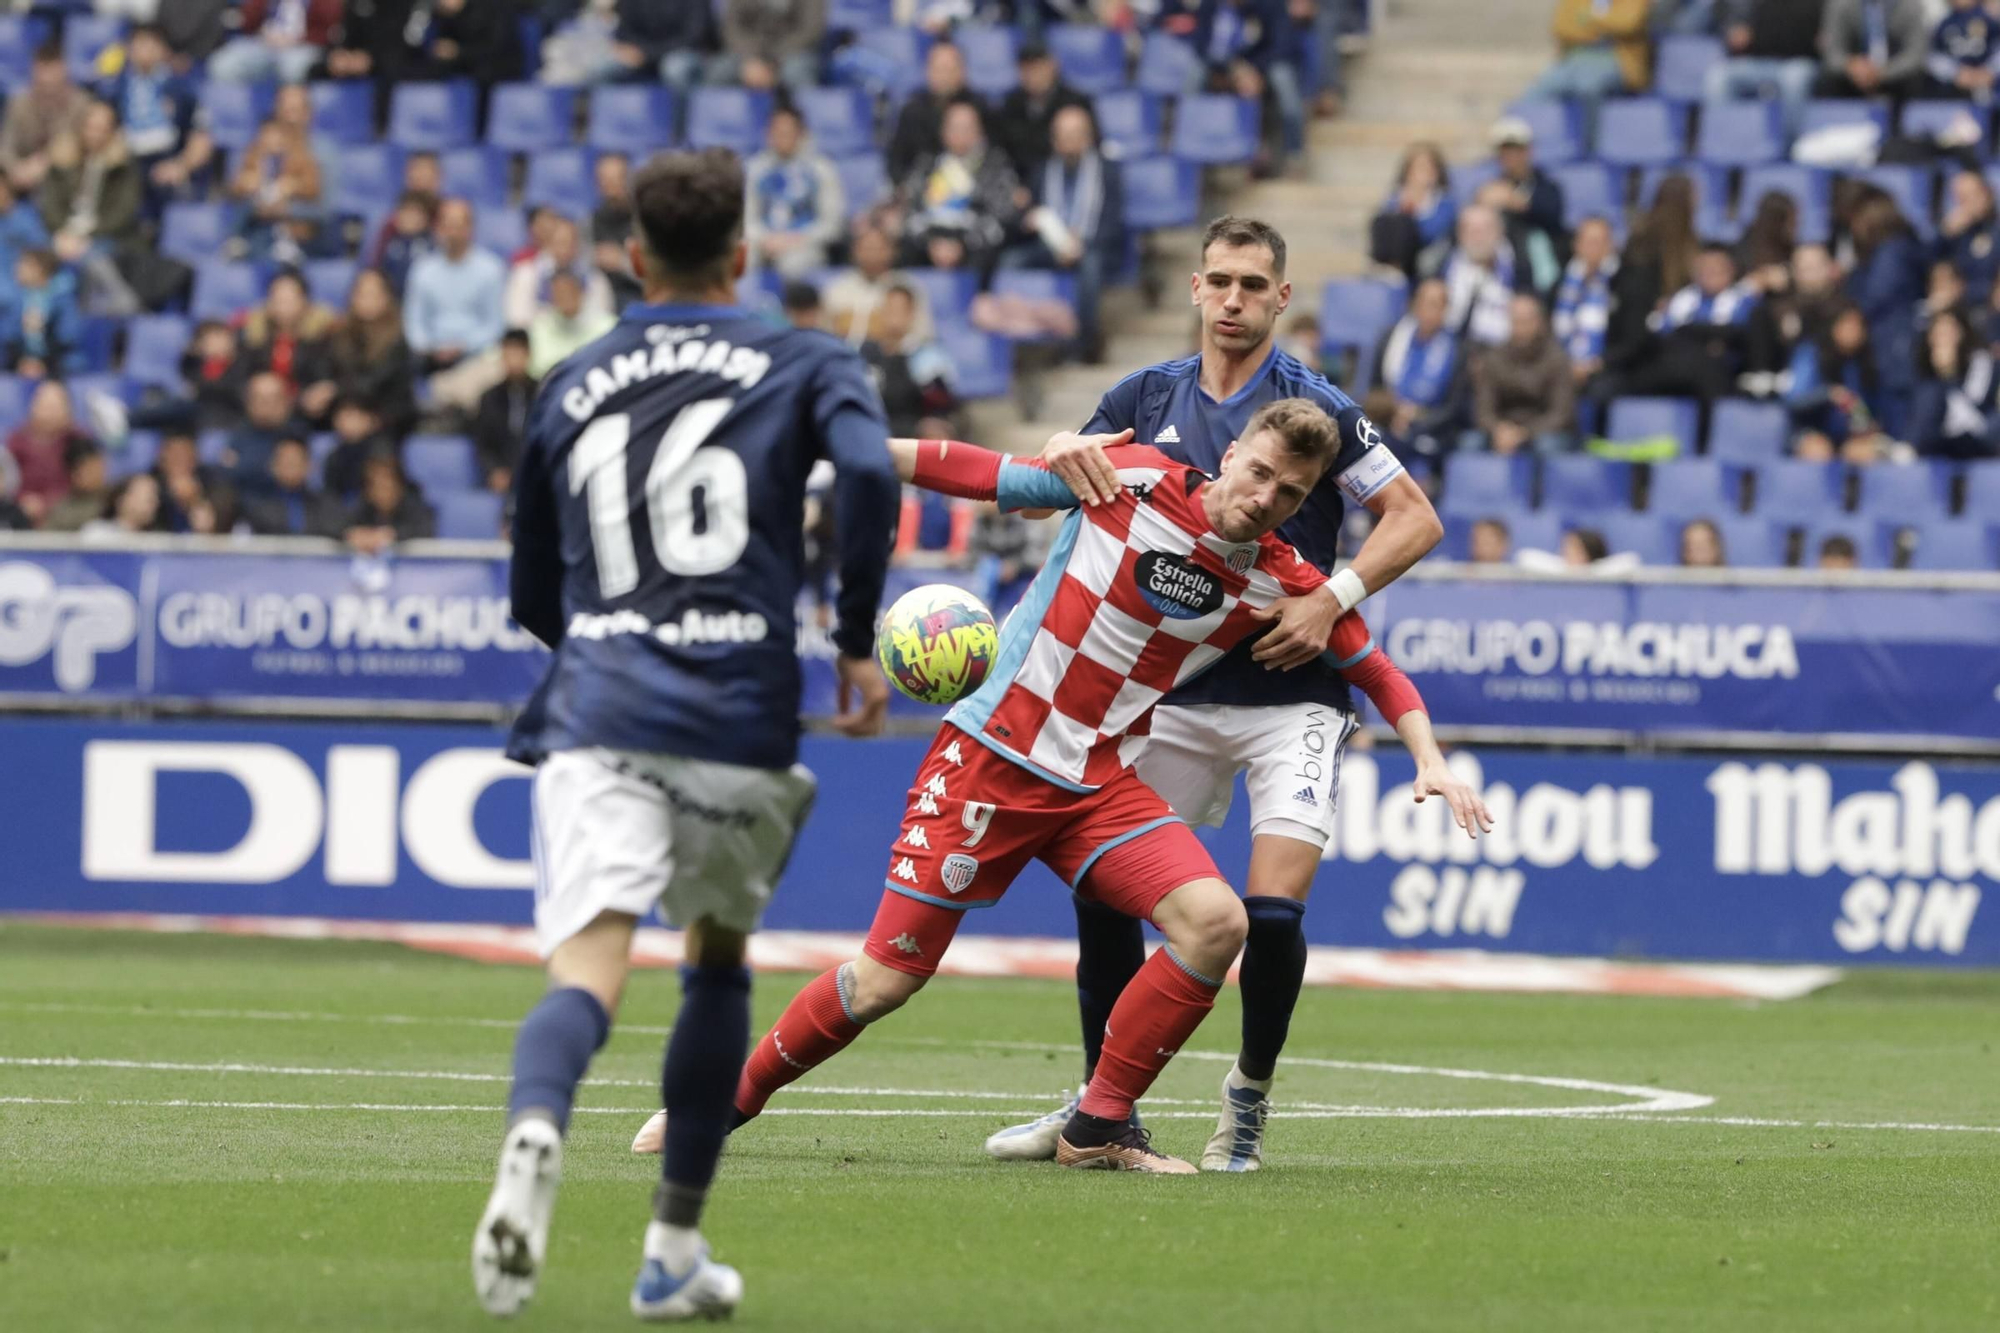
210, 445
983, 361
1742, 431
441, 464
1129, 122
840, 120
1215, 128
1533, 532
1161, 192
1476, 485
1740, 134
1956, 543
1168, 65
1092, 56
1711, 195
19, 37
141, 451
1913, 189
1685, 488
154, 345
1466, 180
1681, 65
896, 55
1982, 491
477, 173
234, 111
1641, 132
731, 118
467, 515
1558, 130
1874, 543
1831, 113
85, 36
433, 116
501, 230
865, 179
322, 446
1904, 494
1356, 312
1749, 541
1581, 484
562, 178
223, 290
195, 233
948, 292
1646, 418
1927, 119
1654, 539
330, 280
1591, 189
1793, 491
636, 119
859, 15
530, 117
13, 397
1809, 187
367, 180
343, 110
992, 58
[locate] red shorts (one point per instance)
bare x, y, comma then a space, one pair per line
974, 822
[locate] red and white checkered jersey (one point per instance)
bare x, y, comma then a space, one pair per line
1137, 596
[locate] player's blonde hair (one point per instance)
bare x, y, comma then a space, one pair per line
1301, 426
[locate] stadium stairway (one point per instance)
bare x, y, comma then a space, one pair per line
1434, 69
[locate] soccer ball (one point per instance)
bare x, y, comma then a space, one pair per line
937, 643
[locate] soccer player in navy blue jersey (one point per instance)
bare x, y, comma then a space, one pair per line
659, 550
1271, 710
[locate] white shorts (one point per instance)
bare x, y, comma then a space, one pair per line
1289, 755
622, 831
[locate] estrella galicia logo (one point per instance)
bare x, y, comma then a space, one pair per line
958, 870
71, 623
1174, 587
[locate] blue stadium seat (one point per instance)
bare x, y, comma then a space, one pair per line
1982, 491
367, 179
1161, 192
859, 15
330, 280
477, 173
222, 290
1927, 119
1912, 188
1581, 484
948, 292
321, 445
1651, 537
344, 110
1641, 132
210, 445
1591, 189
841, 120
983, 361
501, 230
632, 118
1129, 121
1794, 491
468, 515
992, 58
1809, 187
1466, 180
530, 117
562, 178
1168, 65
1036, 284
1092, 56
1533, 532
1874, 543
433, 116
1356, 312
13, 398
1829, 113
92, 392
84, 38
1751, 541
1740, 134
141, 451
1476, 485
1956, 543
1907, 494
1692, 488
1215, 128
194, 233
1558, 130
1681, 65
153, 348
865, 179
234, 111
899, 54
731, 118
441, 464
1645, 418
19, 37
1742, 431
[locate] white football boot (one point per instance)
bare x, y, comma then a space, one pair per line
1036, 1140
1238, 1141
651, 1140
708, 1290
513, 1235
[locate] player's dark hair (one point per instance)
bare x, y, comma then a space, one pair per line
1301, 426
1234, 231
689, 208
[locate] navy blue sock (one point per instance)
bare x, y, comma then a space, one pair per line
552, 1051
1274, 967
704, 1061
1110, 950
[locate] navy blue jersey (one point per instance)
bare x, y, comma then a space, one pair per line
658, 542
1166, 407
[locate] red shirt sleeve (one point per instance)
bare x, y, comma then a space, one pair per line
1367, 667
1294, 573
953, 467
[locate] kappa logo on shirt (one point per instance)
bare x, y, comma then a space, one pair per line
1169, 435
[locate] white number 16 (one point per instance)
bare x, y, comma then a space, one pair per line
680, 468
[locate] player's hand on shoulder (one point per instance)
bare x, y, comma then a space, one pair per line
1081, 462
1304, 626
1467, 810
863, 697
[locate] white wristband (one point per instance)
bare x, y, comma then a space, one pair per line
1348, 589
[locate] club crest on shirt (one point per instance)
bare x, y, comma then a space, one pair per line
957, 871
1175, 587
1240, 558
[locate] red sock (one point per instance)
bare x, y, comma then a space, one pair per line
1159, 1009
813, 1029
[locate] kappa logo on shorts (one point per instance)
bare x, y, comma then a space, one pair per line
1304, 796
907, 943
951, 752
906, 869
926, 804
958, 870
916, 837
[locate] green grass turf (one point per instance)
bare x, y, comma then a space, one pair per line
166, 1218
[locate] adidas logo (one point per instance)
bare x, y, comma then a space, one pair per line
1304, 796
907, 943
1168, 436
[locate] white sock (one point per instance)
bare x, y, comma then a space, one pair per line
1237, 1080
678, 1248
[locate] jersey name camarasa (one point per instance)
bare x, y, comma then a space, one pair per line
1137, 597
1165, 406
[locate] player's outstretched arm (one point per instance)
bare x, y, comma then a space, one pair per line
1396, 698
972, 472
866, 496
1435, 778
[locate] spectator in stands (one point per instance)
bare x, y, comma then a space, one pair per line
1703, 332
1028, 112
1584, 547
49, 108
1769, 240
1420, 213
528, 281
90, 200
21, 227
673, 39
1250, 48
156, 105
194, 496
502, 420
371, 359
796, 208
279, 39
919, 125
1076, 221
961, 201
1887, 283
89, 488
410, 235
194, 29
1835, 393
613, 219
277, 181
1872, 48
768, 42
1964, 47
1583, 300
1491, 542
39, 446
213, 365
1481, 275
1539, 253
132, 507
915, 377
373, 43
268, 408
1534, 200
288, 336
854, 298
360, 433
1968, 233
290, 507
389, 510
1773, 47
1701, 545
42, 323
1420, 370
1797, 311
477, 41
1523, 393
1837, 552
1658, 260
1945, 292
563, 325
801, 306
453, 310
1606, 51
1954, 413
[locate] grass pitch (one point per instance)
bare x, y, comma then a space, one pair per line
270, 1135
